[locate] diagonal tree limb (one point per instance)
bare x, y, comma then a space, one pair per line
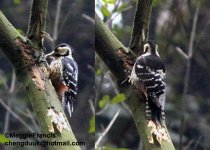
16, 116
97, 143
106, 45
8, 35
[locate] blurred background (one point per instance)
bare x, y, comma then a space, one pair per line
180, 27
71, 26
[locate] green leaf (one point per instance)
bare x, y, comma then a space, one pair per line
106, 2
118, 98
111, 1
105, 11
156, 3
16, 2
105, 100
92, 125
3, 139
110, 148
98, 71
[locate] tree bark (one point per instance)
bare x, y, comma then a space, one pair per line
120, 61
37, 22
22, 53
140, 25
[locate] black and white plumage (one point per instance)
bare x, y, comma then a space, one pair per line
149, 71
64, 75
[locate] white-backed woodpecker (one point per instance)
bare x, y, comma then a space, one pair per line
149, 71
64, 75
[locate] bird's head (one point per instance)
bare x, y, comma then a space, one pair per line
61, 50
151, 48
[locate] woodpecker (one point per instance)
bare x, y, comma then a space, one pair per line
64, 75
149, 72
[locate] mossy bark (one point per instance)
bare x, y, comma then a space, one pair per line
140, 24
37, 22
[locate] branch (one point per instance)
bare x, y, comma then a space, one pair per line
40, 91
92, 107
11, 90
97, 144
37, 22
182, 53
107, 45
16, 116
141, 24
187, 74
89, 19
7, 42
7, 117
192, 36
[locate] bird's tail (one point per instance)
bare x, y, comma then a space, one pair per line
154, 113
69, 106
148, 110
68, 102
